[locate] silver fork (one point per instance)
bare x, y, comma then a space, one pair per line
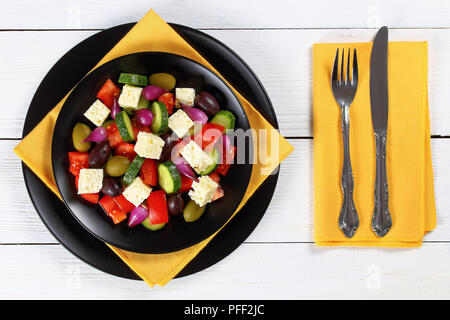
344, 90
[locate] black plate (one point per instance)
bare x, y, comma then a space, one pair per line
60, 221
177, 234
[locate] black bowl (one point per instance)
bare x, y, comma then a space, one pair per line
177, 234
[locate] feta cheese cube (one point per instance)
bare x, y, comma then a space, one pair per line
148, 145
129, 97
97, 113
90, 181
185, 96
137, 192
196, 157
180, 123
203, 190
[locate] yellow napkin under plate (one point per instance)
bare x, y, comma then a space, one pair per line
151, 33
409, 167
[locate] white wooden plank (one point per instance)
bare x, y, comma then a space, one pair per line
253, 271
19, 222
281, 58
289, 217
233, 14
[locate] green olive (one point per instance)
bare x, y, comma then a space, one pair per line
79, 133
117, 166
192, 211
162, 80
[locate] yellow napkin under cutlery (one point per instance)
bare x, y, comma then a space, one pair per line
409, 167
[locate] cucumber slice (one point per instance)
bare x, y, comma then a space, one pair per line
225, 118
124, 125
214, 155
160, 117
168, 177
153, 227
133, 79
133, 170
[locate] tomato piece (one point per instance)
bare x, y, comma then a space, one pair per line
137, 127
136, 131
149, 172
157, 207
209, 136
112, 209
226, 162
115, 139
123, 203
219, 194
126, 150
215, 177
111, 128
186, 184
169, 100
113, 134
78, 161
91, 197
108, 92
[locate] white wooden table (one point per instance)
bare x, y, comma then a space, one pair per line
279, 260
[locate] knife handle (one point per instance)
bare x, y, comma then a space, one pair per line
348, 217
381, 219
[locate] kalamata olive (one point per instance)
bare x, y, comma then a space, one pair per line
162, 80
167, 148
175, 204
79, 133
99, 155
117, 166
192, 211
111, 187
206, 102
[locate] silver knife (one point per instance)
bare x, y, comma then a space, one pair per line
381, 219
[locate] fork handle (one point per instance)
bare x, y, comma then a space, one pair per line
348, 217
381, 219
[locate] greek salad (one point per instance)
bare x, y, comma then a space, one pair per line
156, 151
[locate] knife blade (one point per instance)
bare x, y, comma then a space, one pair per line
379, 100
378, 80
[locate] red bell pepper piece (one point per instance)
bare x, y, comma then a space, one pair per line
186, 183
108, 92
123, 203
112, 209
91, 197
149, 172
157, 207
169, 101
125, 149
78, 161
209, 136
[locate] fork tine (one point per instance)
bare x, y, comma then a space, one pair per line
335, 67
355, 69
341, 76
347, 75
